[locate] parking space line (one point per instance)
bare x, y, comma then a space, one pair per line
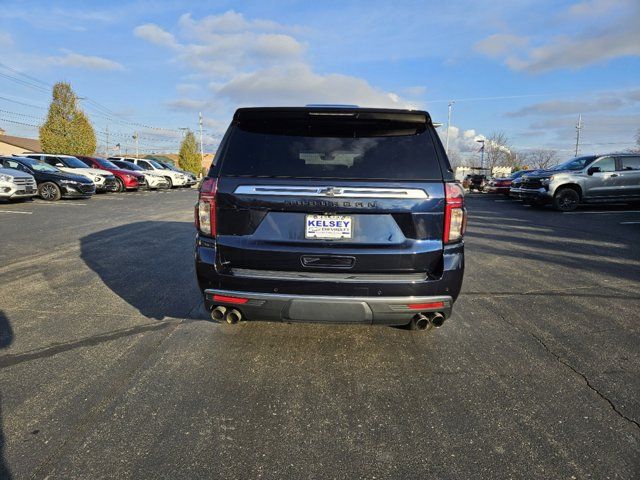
629, 223
622, 212
16, 211
56, 204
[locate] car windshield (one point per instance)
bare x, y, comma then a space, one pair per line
575, 163
129, 166
169, 166
156, 164
105, 163
39, 166
73, 162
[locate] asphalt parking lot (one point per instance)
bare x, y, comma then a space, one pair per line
109, 367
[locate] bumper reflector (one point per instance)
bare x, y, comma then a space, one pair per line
234, 300
425, 306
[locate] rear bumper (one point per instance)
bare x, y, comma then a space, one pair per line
329, 309
368, 301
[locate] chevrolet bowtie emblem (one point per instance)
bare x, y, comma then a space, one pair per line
330, 191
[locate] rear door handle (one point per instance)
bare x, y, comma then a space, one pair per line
613, 175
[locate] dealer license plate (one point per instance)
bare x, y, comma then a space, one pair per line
328, 227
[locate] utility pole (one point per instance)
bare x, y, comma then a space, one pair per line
450, 107
107, 132
201, 147
578, 128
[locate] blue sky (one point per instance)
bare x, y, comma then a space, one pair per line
525, 68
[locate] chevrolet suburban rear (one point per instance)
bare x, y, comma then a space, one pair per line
331, 214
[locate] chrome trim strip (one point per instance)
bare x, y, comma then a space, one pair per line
330, 277
331, 191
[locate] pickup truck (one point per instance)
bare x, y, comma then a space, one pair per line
588, 179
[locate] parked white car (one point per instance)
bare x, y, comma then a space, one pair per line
105, 181
15, 184
152, 180
175, 179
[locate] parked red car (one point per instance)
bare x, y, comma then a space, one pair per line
503, 185
126, 179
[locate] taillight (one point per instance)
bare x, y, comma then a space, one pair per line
455, 215
206, 207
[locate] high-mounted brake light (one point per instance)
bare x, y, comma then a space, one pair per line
455, 215
206, 207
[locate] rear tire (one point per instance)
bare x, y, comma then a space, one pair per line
49, 191
566, 200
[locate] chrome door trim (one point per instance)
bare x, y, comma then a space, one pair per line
331, 191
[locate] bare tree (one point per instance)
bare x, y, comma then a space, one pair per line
497, 151
541, 158
455, 159
636, 149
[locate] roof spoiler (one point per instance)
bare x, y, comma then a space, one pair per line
343, 111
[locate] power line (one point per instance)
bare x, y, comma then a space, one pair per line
36, 84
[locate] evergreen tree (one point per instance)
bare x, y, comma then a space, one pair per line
189, 157
67, 129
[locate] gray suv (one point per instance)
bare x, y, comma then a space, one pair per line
589, 179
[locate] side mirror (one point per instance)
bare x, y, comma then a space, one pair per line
593, 170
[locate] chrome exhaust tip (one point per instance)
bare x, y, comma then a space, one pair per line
218, 313
437, 319
233, 316
419, 322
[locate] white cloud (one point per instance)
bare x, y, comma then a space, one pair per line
499, 44
229, 22
605, 101
6, 40
461, 144
298, 85
187, 104
76, 60
596, 8
154, 34
256, 62
609, 31
415, 91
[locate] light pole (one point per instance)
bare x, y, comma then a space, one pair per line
135, 137
201, 146
578, 128
481, 140
450, 107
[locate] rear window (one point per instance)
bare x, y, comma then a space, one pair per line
350, 151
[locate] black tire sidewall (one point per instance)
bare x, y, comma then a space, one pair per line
57, 196
168, 179
121, 187
564, 192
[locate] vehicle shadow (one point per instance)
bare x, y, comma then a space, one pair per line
149, 265
6, 338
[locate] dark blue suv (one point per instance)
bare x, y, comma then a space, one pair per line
331, 214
